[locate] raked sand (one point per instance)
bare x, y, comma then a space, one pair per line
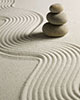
33, 66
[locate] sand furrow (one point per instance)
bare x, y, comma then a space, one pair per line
74, 72
59, 80
65, 74
19, 25
41, 82
6, 3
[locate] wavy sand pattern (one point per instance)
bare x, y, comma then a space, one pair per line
57, 75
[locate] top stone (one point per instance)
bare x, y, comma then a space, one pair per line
56, 8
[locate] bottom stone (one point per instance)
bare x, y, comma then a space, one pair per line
54, 30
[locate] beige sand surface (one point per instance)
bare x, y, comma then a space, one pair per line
33, 66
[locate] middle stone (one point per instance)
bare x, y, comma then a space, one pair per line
57, 19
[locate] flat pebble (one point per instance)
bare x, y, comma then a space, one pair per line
54, 31
56, 8
57, 19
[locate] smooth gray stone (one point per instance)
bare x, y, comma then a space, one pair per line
57, 19
54, 31
56, 8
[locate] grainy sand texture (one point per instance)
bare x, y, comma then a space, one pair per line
32, 65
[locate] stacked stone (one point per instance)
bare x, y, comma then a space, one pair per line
55, 27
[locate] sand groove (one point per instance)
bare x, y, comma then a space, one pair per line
56, 77
6, 3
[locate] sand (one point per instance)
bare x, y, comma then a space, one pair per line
33, 66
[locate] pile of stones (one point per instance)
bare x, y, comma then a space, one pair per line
55, 27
